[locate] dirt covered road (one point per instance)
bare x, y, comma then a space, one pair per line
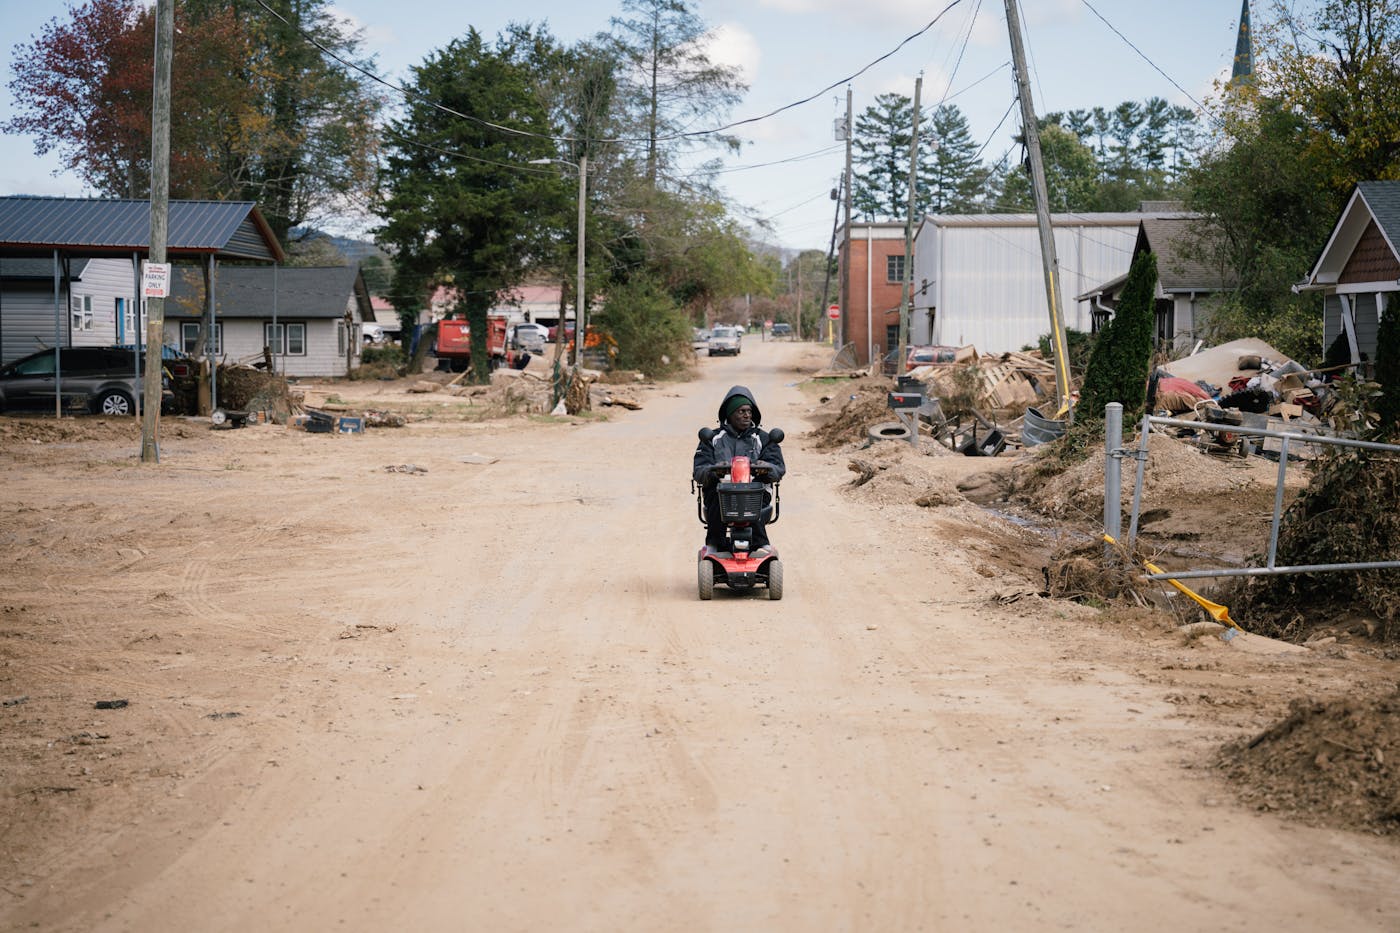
477, 692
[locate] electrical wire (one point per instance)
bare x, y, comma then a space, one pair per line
409, 93
1202, 107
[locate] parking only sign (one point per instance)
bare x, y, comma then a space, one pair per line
155, 280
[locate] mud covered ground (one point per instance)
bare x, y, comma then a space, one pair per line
1328, 757
536, 731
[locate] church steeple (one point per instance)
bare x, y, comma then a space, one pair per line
1243, 72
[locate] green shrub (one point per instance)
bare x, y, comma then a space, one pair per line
652, 331
393, 355
1118, 366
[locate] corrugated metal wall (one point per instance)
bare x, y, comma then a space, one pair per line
988, 286
27, 316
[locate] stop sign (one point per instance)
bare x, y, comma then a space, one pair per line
833, 311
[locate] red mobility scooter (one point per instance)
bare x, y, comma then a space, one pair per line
740, 493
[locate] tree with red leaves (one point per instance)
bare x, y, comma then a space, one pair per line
258, 113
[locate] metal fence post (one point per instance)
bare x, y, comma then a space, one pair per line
1112, 476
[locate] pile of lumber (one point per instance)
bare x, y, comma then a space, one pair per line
1011, 380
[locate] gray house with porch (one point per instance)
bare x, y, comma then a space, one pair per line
1358, 272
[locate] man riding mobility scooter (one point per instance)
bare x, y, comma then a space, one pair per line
736, 474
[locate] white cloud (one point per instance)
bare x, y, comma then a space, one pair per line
733, 45
897, 13
375, 37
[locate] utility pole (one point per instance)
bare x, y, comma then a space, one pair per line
826, 261
906, 291
846, 239
1042, 215
160, 216
797, 325
580, 324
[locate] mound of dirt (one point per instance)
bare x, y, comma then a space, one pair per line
893, 473
1327, 763
862, 403
40, 430
1174, 469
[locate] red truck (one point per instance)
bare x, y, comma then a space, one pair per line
454, 344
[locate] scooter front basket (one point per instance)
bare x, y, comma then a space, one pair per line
740, 502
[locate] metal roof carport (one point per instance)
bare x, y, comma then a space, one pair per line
69, 228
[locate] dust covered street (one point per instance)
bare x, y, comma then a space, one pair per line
481, 694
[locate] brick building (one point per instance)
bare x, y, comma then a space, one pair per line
870, 313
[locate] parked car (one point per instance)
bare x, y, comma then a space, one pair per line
529, 336
781, 330
725, 340
917, 356
102, 380
699, 339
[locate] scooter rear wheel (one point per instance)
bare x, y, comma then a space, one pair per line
775, 579
706, 579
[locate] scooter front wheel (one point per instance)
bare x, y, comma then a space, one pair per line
706, 579
775, 579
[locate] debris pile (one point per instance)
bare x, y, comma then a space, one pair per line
1244, 375
997, 383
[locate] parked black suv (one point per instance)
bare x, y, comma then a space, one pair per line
102, 380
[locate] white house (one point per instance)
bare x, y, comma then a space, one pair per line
309, 318
98, 295
978, 278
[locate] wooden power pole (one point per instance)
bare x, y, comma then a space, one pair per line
906, 297
160, 215
846, 238
1042, 215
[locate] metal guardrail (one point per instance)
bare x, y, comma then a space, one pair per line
1115, 453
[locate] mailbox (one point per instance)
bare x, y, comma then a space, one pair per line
905, 401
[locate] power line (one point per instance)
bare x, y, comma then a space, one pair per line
1202, 107
407, 92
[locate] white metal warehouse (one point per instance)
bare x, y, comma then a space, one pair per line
978, 278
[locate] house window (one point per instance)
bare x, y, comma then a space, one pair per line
189, 337
340, 337
82, 312
894, 268
285, 339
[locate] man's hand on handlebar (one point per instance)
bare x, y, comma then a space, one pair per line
763, 468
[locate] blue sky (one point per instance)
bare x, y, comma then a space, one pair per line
790, 50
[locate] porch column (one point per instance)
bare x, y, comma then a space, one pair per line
57, 341
1349, 327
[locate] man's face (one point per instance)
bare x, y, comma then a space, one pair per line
742, 417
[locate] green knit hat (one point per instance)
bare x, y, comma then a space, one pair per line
733, 402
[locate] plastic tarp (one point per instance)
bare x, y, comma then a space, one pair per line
1218, 365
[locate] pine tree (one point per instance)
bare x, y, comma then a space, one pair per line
951, 176
1118, 365
881, 156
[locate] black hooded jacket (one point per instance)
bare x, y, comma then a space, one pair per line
728, 444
